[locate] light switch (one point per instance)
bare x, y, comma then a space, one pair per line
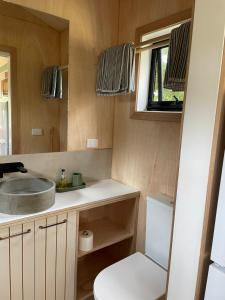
37, 131
92, 143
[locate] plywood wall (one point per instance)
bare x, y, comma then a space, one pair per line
145, 153
36, 46
93, 27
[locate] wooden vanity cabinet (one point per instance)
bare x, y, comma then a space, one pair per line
37, 259
40, 257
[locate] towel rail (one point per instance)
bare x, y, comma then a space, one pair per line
63, 67
153, 43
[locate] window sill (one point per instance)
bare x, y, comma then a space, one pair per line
163, 116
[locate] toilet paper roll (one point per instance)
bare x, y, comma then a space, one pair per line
85, 240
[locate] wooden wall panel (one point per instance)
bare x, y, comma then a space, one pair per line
93, 27
145, 153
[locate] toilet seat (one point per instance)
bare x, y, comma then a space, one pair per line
133, 278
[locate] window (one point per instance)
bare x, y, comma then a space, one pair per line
160, 98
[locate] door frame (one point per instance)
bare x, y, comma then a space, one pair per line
15, 107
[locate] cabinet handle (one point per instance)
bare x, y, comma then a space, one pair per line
15, 235
47, 226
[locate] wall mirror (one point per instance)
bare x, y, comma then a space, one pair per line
162, 49
33, 81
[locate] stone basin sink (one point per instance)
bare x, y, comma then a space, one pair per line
27, 195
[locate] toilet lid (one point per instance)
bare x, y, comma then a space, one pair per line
133, 278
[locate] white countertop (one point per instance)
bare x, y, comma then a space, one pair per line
104, 190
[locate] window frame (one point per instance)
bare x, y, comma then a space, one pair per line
155, 115
160, 105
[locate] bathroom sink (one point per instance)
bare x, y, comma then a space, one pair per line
26, 195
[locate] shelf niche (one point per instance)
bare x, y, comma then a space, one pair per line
91, 265
114, 229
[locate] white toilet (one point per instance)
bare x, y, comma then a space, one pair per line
141, 277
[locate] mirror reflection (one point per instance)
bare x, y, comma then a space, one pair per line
33, 81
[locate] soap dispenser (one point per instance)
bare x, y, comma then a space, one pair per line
63, 181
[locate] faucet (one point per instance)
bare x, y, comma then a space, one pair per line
11, 168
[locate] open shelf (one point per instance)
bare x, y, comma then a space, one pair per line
114, 234
91, 265
105, 233
83, 293
94, 265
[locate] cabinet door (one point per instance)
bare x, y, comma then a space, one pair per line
14, 264
37, 259
4, 264
61, 257
55, 246
71, 256
28, 261
51, 257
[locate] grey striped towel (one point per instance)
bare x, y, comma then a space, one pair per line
177, 58
52, 83
115, 74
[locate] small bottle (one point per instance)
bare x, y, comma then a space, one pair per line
63, 182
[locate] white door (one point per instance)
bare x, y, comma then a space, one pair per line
215, 289
218, 247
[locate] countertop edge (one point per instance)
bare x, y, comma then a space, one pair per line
74, 206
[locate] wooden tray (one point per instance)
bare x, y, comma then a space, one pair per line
70, 188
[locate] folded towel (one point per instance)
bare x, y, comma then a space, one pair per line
177, 58
52, 83
115, 74
59, 85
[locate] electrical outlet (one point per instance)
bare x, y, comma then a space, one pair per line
37, 131
92, 143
